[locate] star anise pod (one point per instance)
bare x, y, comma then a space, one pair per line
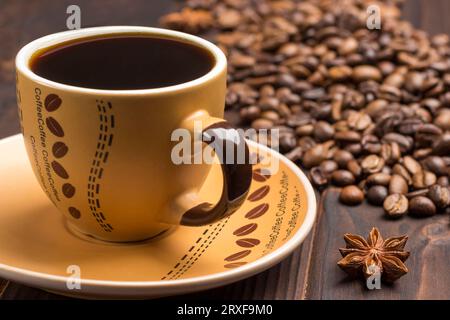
374, 255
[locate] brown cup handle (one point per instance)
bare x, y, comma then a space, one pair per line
236, 176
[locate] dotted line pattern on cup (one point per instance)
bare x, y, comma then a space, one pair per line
105, 140
180, 269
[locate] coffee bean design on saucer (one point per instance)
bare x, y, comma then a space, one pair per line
238, 255
54, 127
74, 212
248, 242
52, 102
59, 149
259, 193
257, 211
260, 175
59, 170
68, 190
245, 230
234, 264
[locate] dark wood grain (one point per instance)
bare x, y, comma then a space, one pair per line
310, 272
429, 243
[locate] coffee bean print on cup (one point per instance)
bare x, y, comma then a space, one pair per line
74, 212
59, 149
59, 170
54, 127
52, 102
107, 123
68, 190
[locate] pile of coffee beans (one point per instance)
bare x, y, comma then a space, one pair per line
365, 110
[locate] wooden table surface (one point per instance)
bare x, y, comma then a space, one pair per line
311, 271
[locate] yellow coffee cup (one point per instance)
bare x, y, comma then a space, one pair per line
104, 157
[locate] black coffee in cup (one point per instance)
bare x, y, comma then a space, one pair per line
122, 62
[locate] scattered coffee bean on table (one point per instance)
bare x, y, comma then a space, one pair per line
351, 195
366, 110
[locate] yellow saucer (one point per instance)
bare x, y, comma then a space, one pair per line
38, 249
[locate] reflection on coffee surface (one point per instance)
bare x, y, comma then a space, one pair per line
122, 62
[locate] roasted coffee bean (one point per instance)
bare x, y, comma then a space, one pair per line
403, 172
390, 152
381, 179
342, 158
305, 130
351, 195
423, 179
409, 126
415, 193
395, 205
376, 195
421, 206
250, 113
354, 148
287, 142
436, 165
375, 106
439, 195
426, 134
372, 164
443, 120
359, 121
411, 165
347, 136
262, 124
441, 146
398, 184
342, 178
339, 73
323, 131
295, 154
366, 72
420, 154
318, 177
271, 115
404, 142
316, 155
443, 181
298, 119
354, 167
321, 111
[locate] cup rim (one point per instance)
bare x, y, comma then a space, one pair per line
25, 53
